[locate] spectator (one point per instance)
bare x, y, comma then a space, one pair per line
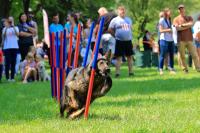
83, 51
73, 21
183, 24
147, 44
34, 24
55, 26
121, 28
86, 33
29, 68
26, 33
196, 36
166, 42
107, 40
10, 47
1, 63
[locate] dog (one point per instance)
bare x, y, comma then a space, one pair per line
42, 74
74, 95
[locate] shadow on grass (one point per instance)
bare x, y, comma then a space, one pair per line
28, 102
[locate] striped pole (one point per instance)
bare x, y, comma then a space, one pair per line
88, 45
78, 37
70, 50
93, 69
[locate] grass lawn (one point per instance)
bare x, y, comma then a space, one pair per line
146, 102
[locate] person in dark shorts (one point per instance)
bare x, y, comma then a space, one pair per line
121, 28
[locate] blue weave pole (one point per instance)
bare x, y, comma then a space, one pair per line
88, 45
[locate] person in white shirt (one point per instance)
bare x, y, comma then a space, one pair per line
10, 47
196, 36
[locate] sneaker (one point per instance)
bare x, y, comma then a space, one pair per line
161, 72
172, 72
12, 80
116, 75
131, 74
8, 80
25, 81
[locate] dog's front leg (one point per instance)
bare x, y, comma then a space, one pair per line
77, 113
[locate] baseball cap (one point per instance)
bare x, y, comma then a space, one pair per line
181, 6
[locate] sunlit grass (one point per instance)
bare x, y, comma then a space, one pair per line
146, 102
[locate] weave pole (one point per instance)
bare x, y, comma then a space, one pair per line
88, 45
70, 50
93, 69
78, 38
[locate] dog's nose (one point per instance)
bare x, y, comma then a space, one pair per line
108, 70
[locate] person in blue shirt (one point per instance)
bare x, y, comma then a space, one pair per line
55, 26
73, 21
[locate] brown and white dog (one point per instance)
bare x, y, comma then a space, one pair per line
76, 87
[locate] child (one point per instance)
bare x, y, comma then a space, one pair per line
1, 63
83, 51
30, 68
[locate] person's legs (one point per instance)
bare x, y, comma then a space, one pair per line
198, 53
171, 54
7, 62
130, 64
13, 62
128, 50
181, 49
118, 54
163, 51
193, 52
118, 64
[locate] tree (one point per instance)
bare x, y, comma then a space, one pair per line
146, 11
5, 8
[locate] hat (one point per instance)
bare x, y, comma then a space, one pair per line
181, 6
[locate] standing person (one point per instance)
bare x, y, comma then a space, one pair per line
1, 63
26, 33
121, 28
147, 45
10, 47
166, 42
183, 23
107, 40
73, 22
34, 24
55, 26
86, 33
196, 36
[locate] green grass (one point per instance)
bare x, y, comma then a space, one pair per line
144, 103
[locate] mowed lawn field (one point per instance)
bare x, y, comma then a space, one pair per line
145, 103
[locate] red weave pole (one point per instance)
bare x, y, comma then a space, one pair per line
89, 94
78, 38
58, 84
70, 47
53, 64
53, 49
61, 50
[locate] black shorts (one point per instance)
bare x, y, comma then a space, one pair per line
123, 48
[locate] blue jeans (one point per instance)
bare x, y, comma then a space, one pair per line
166, 47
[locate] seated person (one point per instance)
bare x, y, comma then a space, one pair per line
29, 71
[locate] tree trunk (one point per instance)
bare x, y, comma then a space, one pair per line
5, 8
26, 4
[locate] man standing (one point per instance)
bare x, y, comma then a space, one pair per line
55, 26
121, 28
183, 24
